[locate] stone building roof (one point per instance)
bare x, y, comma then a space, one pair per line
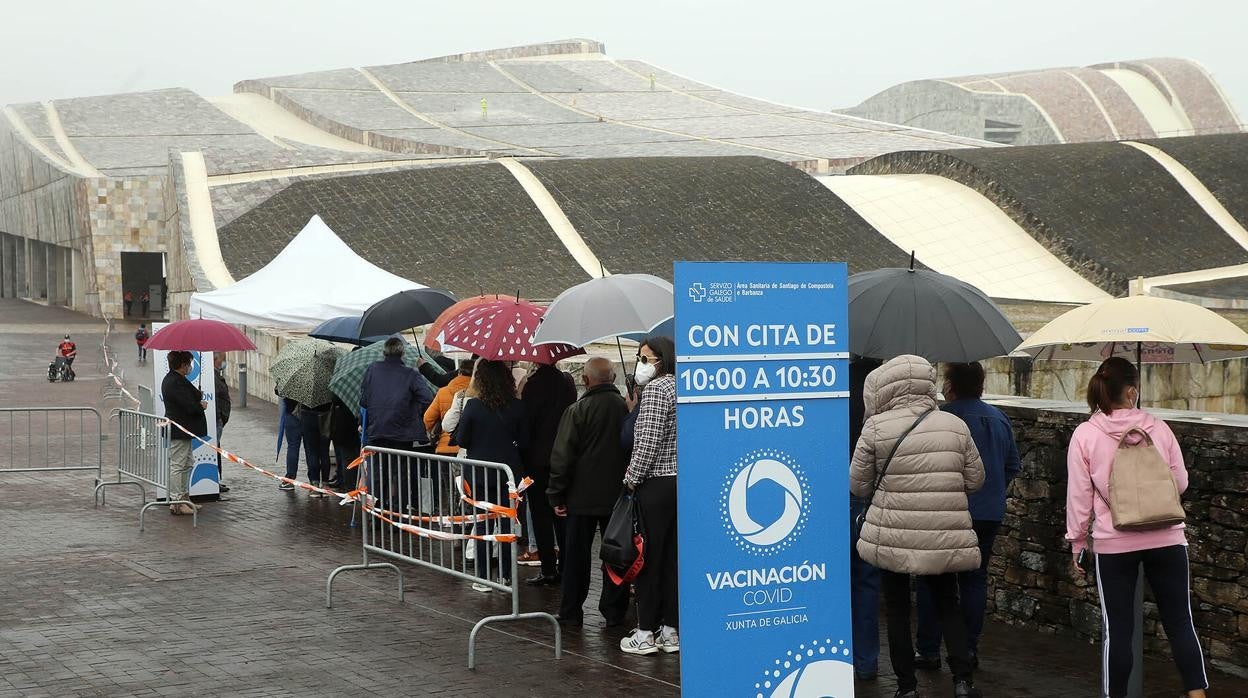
1109, 211
472, 228
1154, 97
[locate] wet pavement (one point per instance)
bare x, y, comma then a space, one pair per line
91, 606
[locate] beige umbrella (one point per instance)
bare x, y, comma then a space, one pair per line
1143, 329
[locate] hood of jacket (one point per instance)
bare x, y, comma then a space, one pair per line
1116, 424
901, 382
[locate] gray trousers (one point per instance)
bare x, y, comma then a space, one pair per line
179, 469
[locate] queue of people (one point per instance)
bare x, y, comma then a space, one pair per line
928, 494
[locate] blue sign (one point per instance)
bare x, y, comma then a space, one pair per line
762, 381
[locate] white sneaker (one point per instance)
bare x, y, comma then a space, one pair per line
478, 586
640, 642
668, 639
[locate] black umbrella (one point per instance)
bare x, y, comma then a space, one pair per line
403, 310
345, 329
916, 311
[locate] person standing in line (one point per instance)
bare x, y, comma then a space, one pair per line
141, 336
915, 465
1118, 555
493, 427
314, 425
145, 299
587, 464
546, 395
292, 432
994, 439
651, 474
864, 589
184, 405
344, 434
128, 297
438, 379
441, 406
394, 399
224, 406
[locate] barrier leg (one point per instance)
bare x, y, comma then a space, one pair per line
365, 565
101, 490
472, 636
194, 511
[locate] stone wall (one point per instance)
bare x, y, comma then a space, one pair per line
1220, 386
1033, 585
126, 215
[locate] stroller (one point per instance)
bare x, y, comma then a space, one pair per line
59, 370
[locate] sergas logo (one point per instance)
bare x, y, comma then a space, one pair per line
764, 502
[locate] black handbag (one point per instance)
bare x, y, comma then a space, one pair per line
861, 518
623, 539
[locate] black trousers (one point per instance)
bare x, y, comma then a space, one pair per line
1166, 570
548, 529
944, 592
577, 562
658, 598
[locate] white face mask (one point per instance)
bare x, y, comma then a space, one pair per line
644, 373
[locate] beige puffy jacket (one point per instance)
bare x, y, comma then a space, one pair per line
918, 522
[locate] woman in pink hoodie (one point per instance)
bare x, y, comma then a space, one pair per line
1118, 555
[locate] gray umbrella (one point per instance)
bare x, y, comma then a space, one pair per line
604, 308
916, 311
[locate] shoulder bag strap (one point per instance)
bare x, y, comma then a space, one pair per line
880, 477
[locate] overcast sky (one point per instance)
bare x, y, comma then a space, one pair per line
815, 53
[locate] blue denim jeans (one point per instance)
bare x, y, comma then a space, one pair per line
973, 592
864, 594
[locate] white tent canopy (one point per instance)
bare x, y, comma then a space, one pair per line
314, 278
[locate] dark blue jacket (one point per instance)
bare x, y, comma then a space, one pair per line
396, 398
994, 437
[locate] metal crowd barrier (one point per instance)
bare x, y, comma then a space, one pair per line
143, 457
50, 439
417, 491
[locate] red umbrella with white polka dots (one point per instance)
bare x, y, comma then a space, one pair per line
502, 330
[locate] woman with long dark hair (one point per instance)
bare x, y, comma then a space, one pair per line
651, 475
1119, 554
492, 427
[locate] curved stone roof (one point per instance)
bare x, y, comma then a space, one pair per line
1109, 211
473, 228
1219, 162
569, 99
1112, 101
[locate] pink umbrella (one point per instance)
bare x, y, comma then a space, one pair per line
431, 334
502, 330
199, 335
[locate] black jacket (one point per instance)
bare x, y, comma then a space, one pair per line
182, 400
222, 398
496, 436
588, 462
547, 394
396, 398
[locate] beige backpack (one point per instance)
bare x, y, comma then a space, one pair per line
1142, 492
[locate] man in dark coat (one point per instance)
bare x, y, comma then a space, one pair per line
586, 468
393, 401
184, 405
547, 394
224, 405
395, 398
